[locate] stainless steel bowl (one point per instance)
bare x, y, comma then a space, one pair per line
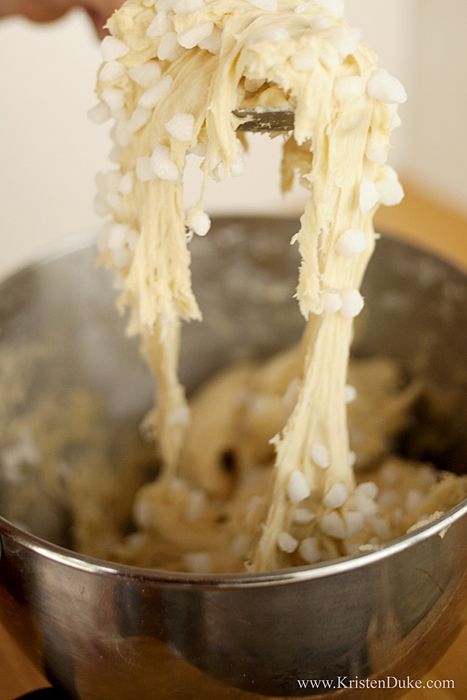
114, 632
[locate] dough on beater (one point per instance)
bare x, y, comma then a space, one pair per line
180, 76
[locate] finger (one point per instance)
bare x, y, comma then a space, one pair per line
99, 11
105, 7
99, 21
43, 11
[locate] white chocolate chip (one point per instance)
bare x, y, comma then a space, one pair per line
352, 243
291, 395
213, 42
160, 25
412, 500
332, 303
126, 183
303, 516
146, 75
185, 6
395, 120
333, 525
240, 545
385, 87
114, 99
335, 7
320, 455
320, 23
365, 505
138, 119
267, 5
391, 192
192, 37
286, 542
99, 114
336, 496
108, 181
368, 489
198, 221
122, 133
196, 504
151, 97
114, 201
273, 35
353, 523
369, 195
346, 40
197, 562
352, 303
381, 528
117, 236
113, 49
297, 488
143, 513
163, 165
376, 150
110, 71
309, 550
181, 126
169, 48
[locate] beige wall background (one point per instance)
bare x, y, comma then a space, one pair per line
49, 152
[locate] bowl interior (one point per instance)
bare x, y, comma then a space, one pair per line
69, 373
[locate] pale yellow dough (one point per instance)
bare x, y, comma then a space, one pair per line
180, 524
216, 513
221, 55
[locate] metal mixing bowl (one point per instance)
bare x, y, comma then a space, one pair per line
106, 631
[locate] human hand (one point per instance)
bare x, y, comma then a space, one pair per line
48, 10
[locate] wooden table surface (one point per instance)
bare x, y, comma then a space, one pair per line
422, 221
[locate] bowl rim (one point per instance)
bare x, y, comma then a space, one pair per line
94, 565
161, 577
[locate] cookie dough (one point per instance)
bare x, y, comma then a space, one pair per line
61, 457
210, 518
174, 73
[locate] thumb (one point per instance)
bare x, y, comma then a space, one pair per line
100, 11
98, 20
105, 7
